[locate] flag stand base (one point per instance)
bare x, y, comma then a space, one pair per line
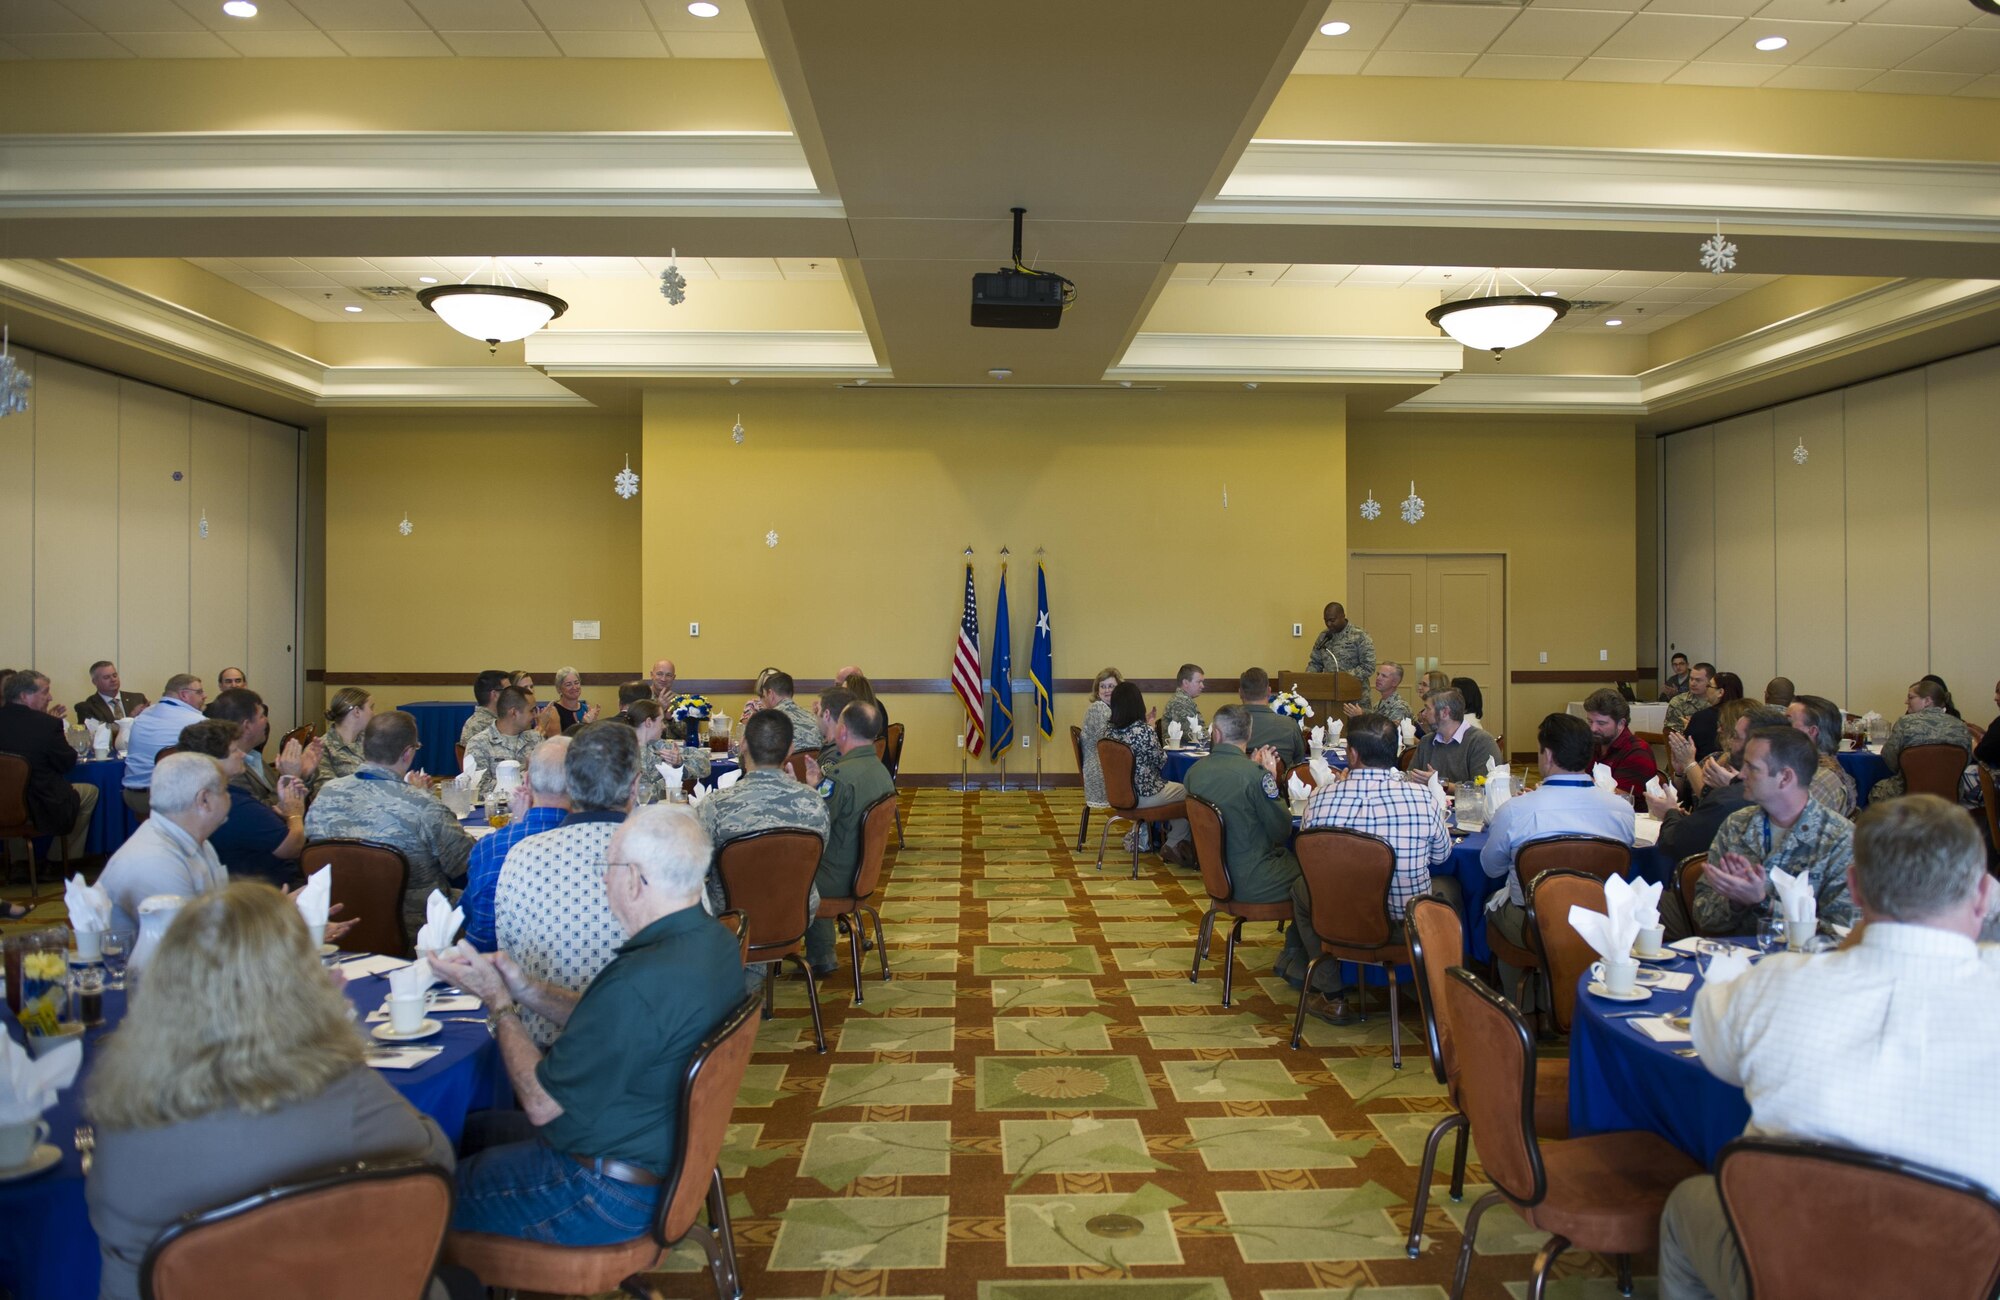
1003, 776
1038, 774
962, 784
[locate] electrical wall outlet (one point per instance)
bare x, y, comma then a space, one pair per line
1603, 656
961, 741
1545, 656
1024, 740
694, 629
1298, 629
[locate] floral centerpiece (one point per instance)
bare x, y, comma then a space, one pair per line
690, 708
44, 990
1292, 705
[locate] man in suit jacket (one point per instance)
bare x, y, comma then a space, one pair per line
28, 729
1267, 725
1256, 822
109, 703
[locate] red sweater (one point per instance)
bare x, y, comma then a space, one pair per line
1630, 760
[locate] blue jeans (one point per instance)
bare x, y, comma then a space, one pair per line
529, 1189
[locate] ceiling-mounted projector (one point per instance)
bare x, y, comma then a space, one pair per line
1018, 297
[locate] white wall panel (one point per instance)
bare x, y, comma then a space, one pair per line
1888, 542
1690, 541
1964, 411
218, 572
1812, 546
76, 523
272, 590
17, 530
1745, 555
153, 527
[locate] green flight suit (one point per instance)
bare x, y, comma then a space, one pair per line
851, 784
1270, 727
1256, 828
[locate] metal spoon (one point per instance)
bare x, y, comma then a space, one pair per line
86, 1144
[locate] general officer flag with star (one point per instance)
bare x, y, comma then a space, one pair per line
1042, 659
1000, 702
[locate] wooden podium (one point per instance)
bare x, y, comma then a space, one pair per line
1326, 692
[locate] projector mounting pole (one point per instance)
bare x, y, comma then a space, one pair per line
1018, 214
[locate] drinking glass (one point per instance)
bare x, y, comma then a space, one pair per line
1771, 932
88, 987
1706, 951
117, 949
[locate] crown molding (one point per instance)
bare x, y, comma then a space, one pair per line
1294, 179
678, 353
459, 386
1326, 358
1512, 394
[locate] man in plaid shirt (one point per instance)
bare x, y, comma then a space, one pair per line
1375, 800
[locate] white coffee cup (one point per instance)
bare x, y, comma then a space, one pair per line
1798, 934
89, 945
1649, 940
1620, 976
18, 1141
318, 933
507, 774
406, 1011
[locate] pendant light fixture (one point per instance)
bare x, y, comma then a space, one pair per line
1493, 320
494, 312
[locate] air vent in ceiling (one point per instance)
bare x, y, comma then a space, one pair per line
386, 291
1588, 304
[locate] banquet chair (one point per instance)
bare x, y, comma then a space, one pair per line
304, 735
1876, 1225
1347, 877
1083, 827
1565, 954
892, 758
694, 1182
1205, 832
847, 911
370, 1228
737, 922
1601, 1193
1687, 876
1117, 761
795, 763
1436, 936
768, 876
1986, 797
1934, 769
458, 751
1303, 771
1403, 757
16, 824
368, 884
1594, 854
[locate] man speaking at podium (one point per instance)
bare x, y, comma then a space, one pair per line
1343, 648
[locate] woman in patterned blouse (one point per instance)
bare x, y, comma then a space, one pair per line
1131, 723
1096, 719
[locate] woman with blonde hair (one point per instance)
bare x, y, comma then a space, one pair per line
1097, 721
858, 683
350, 711
237, 1068
569, 708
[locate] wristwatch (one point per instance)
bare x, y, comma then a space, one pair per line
494, 1017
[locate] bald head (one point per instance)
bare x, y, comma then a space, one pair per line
1335, 615
662, 679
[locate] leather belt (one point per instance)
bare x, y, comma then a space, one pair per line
618, 1170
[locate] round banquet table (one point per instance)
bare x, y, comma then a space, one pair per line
48, 1250
112, 821
1175, 764
1648, 863
1866, 767
1621, 1079
438, 725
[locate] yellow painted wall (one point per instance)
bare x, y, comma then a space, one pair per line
1556, 497
874, 496
184, 284
516, 532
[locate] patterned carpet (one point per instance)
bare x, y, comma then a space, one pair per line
1040, 1106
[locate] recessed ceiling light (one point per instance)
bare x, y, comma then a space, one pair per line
239, 8
427, 279
1335, 29
703, 9
350, 309
1614, 324
1769, 43
1550, 293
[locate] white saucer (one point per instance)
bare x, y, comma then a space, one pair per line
328, 949
45, 1157
1664, 954
1644, 976
1636, 995
387, 1033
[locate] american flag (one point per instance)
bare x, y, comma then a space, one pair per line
965, 678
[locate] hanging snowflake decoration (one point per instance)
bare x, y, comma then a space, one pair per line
1371, 509
771, 538
1718, 254
14, 381
625, 483
1225, 496
673, 285
202, 527
1413, 506
1799, 453
406, 527
736, 430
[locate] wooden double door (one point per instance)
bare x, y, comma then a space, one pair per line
1443, 612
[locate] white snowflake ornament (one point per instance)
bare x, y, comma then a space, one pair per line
1718, 254
1413, 506
673, 285
625, 483
1371, 509
202, 527
1799, 453
771, 538
14, 381
736, 430
406, 527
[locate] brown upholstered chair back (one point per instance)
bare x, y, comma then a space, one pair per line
1871, 1226
304, 735
878, 823
1686, 876
892, 753
1116, 759
1592, 854
708, 1095
1205, 829
459, 751
1303, 771
369, 1229
1076, 745
1347, 874
1496, 1084
1988, 797
14, 820
1934, 769
795, 763
1437, 943
368, 884
881, 749
1564, 952
768, 875
737, 922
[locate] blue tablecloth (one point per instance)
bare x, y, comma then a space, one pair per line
112, 821
438, 725
1647, 864
1177, 762
1620, 1079
1866, 769
48, 1250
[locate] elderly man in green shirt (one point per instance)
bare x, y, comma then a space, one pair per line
851, 785
582, 1162
1256, 822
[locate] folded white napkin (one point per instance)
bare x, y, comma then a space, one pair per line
1659, 789
1871, 719
1174, 732
1296, 788
698, 794
671, 777
728, 779
1333, 729
1499, 786
412, 980
89, 906
316, 897
29, 1086
93, 726
1600, 776
1472, 720
1611, 931
1795, 897
442, 923
469, 778
124, 726
1646, 829
1640, 897
1322, 771
1437, 793
1319, 734
1725, 966
1406, 733
1657, 1029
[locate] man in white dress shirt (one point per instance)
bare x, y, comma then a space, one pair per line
170, 852
158, 727
1890, 1045
1567, 802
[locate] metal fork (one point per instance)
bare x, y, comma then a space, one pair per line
86, 1144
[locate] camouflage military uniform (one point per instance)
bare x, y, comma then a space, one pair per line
490, 748
1832, 788
1391, 706
1928, 727
761, 801
482, 718
1183, 710
338, 759
1819, 844
1349, 650
696, 762
1681, 708
805, 728
374, 804
851, 786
